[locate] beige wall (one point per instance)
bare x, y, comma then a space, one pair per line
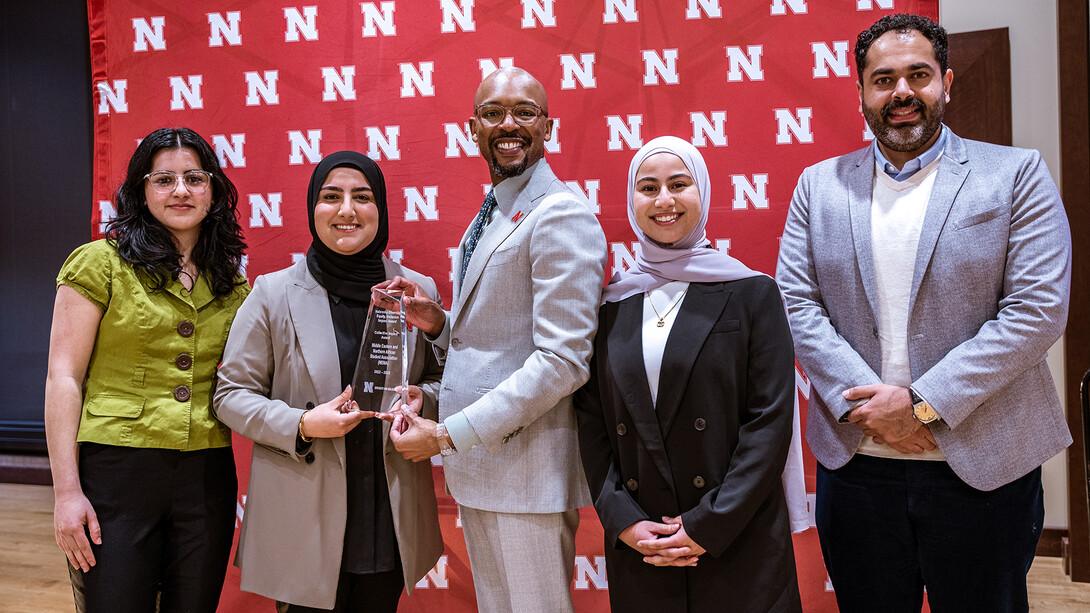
1035, 106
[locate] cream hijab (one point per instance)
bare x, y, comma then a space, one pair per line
691, 259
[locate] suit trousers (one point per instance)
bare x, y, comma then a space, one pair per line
360, 593
167, 521
521, 561
890, 528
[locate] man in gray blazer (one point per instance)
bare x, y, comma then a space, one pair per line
516, 345
926, 277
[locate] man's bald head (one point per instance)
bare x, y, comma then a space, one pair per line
512, 78
512, 136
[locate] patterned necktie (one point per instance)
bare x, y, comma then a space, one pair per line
475, 233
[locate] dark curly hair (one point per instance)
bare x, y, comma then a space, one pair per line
901, 22
141, 240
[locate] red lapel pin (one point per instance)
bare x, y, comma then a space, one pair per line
517, 217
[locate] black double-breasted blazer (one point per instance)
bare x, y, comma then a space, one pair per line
712, 450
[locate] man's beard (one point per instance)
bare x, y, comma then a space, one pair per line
909, 137
512, 169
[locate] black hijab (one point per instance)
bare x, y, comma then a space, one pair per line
348, 276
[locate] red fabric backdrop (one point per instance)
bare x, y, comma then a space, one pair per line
762, 87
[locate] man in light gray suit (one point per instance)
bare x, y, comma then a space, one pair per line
926, 277
516, 345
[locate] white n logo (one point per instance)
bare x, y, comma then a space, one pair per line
462, 14
590, 193
620, 130
338, 83
376, 18
748, 62
112, 96
779, 7
437, 576
458, 138
189, 89
220, 28
623, 258
542, 9
703, 129
258, 89
655, 67
309, 145
106, 214
415, 79
799, 126
756, 192
385, 139
582, 70
824, 59
148, 34
297, 24
488, 66
262, 211
711, 8
586, 573
417, 204
230, 153
626, 9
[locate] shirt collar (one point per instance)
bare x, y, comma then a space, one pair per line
914, 165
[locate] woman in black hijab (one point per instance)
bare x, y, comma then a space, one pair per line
334, 518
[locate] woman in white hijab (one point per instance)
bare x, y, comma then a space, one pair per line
687, 419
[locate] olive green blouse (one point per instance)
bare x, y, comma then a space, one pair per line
152, 371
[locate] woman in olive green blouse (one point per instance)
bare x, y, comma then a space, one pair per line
143, 474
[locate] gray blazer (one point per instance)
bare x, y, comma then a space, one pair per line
520, 333
989, 297
281, 354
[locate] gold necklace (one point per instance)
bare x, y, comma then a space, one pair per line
662, 318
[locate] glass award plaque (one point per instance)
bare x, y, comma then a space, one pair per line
383, 362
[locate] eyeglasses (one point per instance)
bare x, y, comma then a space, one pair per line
524, 114
165, 181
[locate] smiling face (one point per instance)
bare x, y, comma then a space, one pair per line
346, 217
180, 210
508, 147
903, 94
665, 200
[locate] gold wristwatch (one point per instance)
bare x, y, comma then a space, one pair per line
922, 409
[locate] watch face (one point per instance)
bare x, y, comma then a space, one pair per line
924, 412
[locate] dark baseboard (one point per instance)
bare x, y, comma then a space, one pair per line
31, 469
1051, 543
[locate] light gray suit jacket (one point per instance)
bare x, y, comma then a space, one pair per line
520, 336
989, 297
282, 354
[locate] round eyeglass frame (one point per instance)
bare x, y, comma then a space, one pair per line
510, 110
159, 189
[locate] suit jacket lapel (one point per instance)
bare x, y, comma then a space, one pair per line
860, 198
625, 350
949, 177
701, 308
510, 212
308, 307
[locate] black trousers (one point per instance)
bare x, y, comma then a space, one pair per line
167, 518
890, 528
359, 593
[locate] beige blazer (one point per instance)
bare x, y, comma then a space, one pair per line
282, 354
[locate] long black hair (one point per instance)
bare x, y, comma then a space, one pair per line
149, 246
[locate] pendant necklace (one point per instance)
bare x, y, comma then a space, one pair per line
662, 318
